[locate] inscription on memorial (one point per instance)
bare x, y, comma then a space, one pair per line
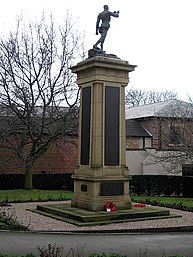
112, 102
112, 188
85, 126
84, 188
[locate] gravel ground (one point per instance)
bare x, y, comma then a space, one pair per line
37, 222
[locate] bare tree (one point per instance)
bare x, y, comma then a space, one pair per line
38, 94
136, 97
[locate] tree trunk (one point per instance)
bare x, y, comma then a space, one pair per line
28, 183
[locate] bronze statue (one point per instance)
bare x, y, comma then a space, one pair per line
105, 18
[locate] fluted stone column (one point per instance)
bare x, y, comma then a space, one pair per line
102, 174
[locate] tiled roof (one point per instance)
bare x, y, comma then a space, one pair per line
136, 129
170, 108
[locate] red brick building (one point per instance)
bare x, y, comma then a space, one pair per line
150, 130
159, 138
61, 157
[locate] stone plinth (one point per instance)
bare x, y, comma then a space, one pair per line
101, 174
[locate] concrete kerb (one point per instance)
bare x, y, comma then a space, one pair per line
181, 229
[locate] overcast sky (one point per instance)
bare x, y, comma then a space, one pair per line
155, 35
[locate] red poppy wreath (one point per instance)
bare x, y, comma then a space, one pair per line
110, 207
139, 205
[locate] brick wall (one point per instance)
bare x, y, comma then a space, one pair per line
61, 157
160, 129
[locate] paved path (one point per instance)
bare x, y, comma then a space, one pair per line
132, 245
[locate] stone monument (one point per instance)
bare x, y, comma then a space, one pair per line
102, 174
101, 178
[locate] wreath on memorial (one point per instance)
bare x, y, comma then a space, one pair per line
110, 207
139, 205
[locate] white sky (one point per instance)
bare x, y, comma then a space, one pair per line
155, 35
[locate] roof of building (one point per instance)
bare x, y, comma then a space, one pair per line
135, 129
170, 108
12, 125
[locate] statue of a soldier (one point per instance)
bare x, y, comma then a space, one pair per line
104, 17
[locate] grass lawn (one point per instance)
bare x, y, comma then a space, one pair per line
166, 201
20, 195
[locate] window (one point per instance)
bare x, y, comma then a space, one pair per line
175, 135
187, 170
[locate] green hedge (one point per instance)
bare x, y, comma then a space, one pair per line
187, 186
40, 181
162, 185
139, 185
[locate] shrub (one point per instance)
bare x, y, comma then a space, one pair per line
107, 255
40, 181
156, 185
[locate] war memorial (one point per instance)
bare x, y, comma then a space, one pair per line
101, 178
